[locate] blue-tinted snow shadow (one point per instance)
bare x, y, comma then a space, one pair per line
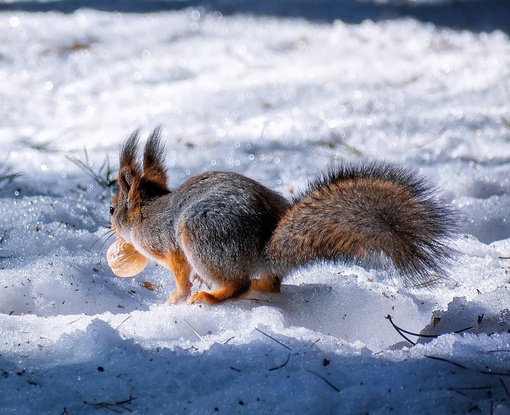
476, 15
86, 371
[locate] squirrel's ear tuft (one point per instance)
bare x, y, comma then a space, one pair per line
128, 162
129, 152
154, 170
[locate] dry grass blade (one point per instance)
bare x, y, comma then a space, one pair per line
104, 176
442, 359
401, 331
45, 146
428, 283
7, 175
484, 372
324, 379
282, 365
272, 338
115, 407
194, 331
504, 387
123, 321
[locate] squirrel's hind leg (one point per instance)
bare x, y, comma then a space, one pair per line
267, 283
218, 265
229, 290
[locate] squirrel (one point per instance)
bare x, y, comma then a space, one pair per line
227, 229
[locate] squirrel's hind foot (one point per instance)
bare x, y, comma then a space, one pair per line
226, 292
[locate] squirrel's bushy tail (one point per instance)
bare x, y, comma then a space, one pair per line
367, 214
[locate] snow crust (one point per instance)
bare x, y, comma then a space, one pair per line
278, 99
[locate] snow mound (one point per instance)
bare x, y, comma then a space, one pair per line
278, 99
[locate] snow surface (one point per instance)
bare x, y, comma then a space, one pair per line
279, 99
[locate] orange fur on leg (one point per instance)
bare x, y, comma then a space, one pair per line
267, 283
177, 263
229, 290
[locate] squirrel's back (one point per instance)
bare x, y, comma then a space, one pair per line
368, 214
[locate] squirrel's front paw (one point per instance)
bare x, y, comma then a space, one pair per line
177, 297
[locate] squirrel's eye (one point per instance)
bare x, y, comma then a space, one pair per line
112, 209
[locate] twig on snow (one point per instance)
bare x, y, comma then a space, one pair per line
401, 331
442, 359
282, 365
324, 379
194, 331
123, 321
116, 407
504, 387
272, 338
483, 372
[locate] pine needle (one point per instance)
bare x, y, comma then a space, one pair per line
324, 379
272, 338
194, 331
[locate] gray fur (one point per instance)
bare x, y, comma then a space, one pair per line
227, 218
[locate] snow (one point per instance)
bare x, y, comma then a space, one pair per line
279, 99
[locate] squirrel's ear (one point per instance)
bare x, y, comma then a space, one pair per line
129, 169
126, 179
154, 170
